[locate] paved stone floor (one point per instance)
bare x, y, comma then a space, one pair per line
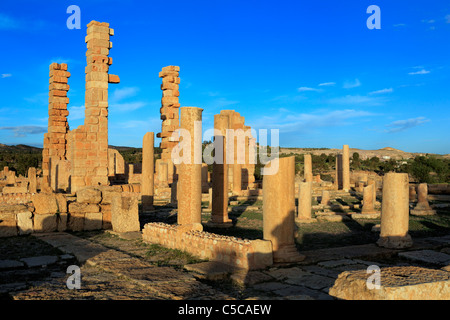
117, 268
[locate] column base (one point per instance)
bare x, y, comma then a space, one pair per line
395, 242
287, 254
423, 212
225, 224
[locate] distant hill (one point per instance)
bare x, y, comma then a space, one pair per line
20, 148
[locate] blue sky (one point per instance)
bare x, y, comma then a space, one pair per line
311, 69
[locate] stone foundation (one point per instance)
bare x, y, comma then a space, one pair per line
239, 253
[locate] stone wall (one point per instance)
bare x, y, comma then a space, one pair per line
239, 253
26, 213
15, 198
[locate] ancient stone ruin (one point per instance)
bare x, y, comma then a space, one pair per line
85, 185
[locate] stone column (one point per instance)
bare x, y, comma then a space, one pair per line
412, 193
345, 168
304, 201
338, 180
148, 167
422, 207
371, 181
279, 211
395, 212
32, 187
205, 184
219, 213
190, 174
308, 168
325, 201
162, 171
368, 200
237, 178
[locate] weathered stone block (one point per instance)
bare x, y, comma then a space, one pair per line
76, 222
45, 203
61, 202
93, 221
25, 222
61, 221
45, 223
76, 207
125, 213
89, 195
397, 283
8, 225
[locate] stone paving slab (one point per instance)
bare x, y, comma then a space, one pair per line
427, 256
210, 270
40, 261
300, 291
10, 264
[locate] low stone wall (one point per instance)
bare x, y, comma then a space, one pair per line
15, 198
27, 213
239, 253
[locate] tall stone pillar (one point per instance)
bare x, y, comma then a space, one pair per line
304, 201
395, 212
345, 168
279, 211
148, 168
325, 201
89, 142
32, 187
169, 111
205, 183
368, 200
190, 174
219, 213
412, 193
372, 181
422, 207
339, 178
308, 168
237, 178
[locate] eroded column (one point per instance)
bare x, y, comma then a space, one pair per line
190, 174
219, 213
148, 167
422, 207
308, 168
395, 212
368, 200
345, 168
304, 201
279, 210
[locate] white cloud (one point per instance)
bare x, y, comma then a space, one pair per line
303, 122
327, 84
387, 90
123, 93
304, 89
130, 106
401, 125
8, 23
23, 131
423, 71
429, 21
6, 75
447, 18
356, 100
76, 113
399, 25
352, 84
